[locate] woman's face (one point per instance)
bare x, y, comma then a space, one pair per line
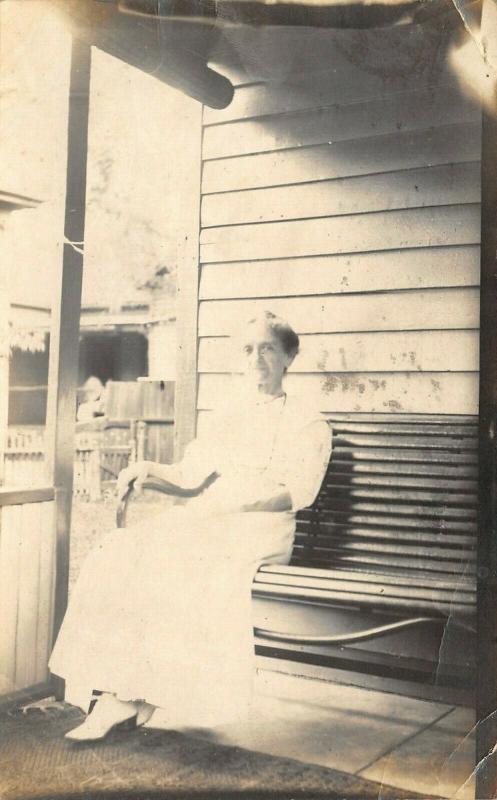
264, 358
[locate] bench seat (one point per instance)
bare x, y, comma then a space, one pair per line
416, 595
392, 537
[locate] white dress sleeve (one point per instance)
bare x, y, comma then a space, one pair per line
208, 451
306, 471
198, 462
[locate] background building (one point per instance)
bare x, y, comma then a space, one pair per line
133, 203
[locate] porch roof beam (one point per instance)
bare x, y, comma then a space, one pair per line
149, 45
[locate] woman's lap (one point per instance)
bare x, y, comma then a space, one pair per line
167, 601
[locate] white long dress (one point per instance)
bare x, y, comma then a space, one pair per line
161, 611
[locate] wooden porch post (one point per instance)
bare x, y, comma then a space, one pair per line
63, 369
185, 402
486, 733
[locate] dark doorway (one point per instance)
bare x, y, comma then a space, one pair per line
113, 356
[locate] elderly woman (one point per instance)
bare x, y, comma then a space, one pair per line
161, 613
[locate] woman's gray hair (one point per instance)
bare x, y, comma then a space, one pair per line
281, 329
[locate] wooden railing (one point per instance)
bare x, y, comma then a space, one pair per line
24, 460
98, 459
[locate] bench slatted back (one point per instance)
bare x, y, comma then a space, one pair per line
399, 497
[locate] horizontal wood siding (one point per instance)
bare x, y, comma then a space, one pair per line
27, 574
353, 211
413, 111
416, 310
392, 351
451, 184
354, 233
348, 85
447, 144
412, 268
408, 392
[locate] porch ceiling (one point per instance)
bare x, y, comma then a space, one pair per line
177, 40
322, 13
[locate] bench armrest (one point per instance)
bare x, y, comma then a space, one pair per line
164, 487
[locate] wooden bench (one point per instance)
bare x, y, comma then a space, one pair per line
391, 537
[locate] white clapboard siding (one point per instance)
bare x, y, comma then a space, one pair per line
10, 552
429, 186
350, 205
409, 392
431, 309
28, 593
46, 592
382, 230
410, 112
371, 154
421, 268
27, 573
346, 84
412, 351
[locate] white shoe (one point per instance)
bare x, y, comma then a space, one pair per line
108, 714
144, 712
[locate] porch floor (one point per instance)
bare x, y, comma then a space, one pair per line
307, 738
416, 745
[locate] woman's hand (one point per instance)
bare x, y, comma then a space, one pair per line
138, 472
